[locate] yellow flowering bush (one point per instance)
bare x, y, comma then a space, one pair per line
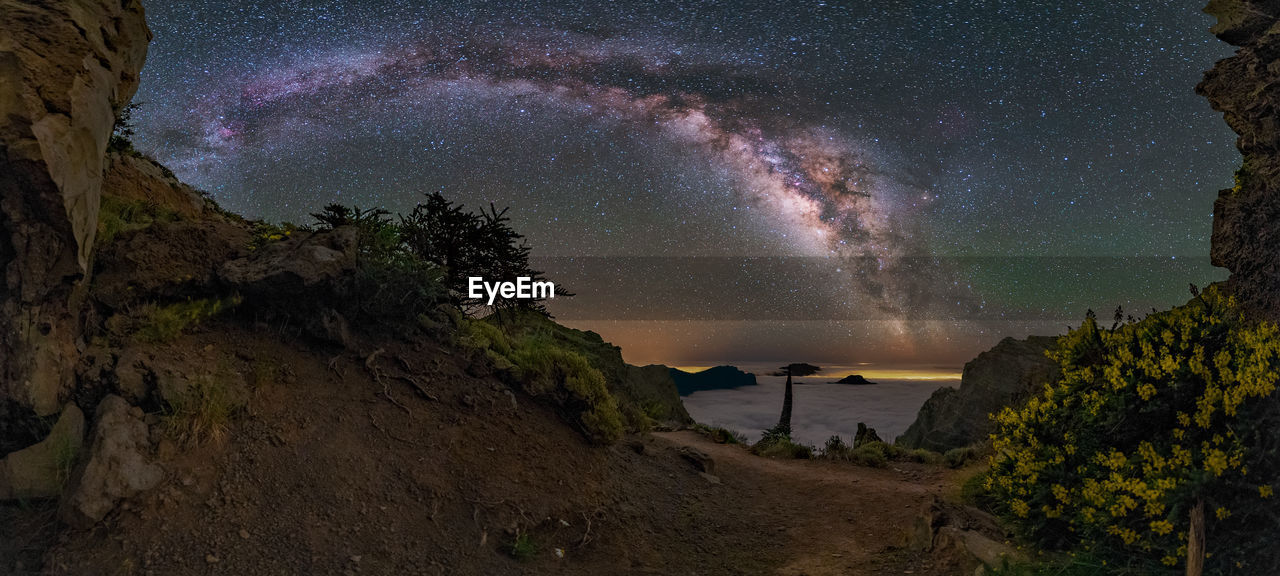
1149, 419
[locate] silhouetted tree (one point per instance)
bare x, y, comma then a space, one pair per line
467, 244
123, 130
801, 369
457, 242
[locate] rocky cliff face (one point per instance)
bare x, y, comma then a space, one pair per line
67, 67
1246, 89
999, 377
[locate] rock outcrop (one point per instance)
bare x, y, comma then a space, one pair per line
718, 378
865, 435
294, 266
1246, 89
118, 466
961, 537
700, 460
66, 68
999, 377
166, 261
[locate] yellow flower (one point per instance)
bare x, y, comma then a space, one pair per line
1162, 527
1265, 491
1216, 462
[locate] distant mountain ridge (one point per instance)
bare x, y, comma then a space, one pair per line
718, 378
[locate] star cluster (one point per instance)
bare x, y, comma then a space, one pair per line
896, 182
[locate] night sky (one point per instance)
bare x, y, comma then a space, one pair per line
890, 184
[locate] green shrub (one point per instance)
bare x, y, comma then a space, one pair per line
923, 456
872, 454
784, 448
775, 443
634, 418
958, 457
164, 323
876, 454
835, 449
488, 336
1149, 419
545, 368
391, 281
265, 233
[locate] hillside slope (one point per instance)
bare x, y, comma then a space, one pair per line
332, 468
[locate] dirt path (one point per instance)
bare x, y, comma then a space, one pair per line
838, 519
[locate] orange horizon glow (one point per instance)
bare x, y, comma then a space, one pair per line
870, 374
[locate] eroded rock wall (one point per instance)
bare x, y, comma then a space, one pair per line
66, 67
1246, 89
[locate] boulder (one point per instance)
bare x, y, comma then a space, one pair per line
118, 465
41, 470
960, 537
700, 460
920, 535
1004, 375
972, 551
294, 266
66, 67
133, 375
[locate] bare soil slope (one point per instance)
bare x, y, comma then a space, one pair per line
333, 471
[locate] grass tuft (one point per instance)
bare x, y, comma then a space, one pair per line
117, 216
523, 548
160, 324
720, 435
203, 412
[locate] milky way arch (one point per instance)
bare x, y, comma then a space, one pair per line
825, 191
